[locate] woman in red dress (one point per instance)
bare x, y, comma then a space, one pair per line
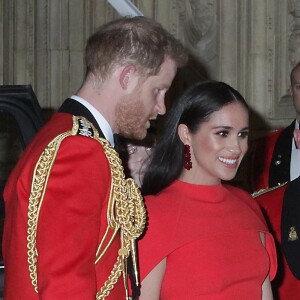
205, 239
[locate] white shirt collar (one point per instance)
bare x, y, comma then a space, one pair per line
293, 142
103, 124
295, 158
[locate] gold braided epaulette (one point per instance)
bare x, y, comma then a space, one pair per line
266, 190
126, 213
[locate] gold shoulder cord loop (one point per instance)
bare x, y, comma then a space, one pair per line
266, 190
126, 212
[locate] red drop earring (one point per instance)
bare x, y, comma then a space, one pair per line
187, 163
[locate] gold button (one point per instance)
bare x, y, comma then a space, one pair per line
277, 162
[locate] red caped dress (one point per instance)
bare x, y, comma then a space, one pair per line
210, 238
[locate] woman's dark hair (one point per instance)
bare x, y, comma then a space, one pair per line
192, 109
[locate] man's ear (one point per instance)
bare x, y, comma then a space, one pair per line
126, 76
184, 134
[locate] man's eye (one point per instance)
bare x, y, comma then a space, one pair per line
156, 91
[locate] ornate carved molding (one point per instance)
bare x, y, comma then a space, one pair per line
283, 39
251, 45
201, 30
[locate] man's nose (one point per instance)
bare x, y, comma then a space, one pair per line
160, 106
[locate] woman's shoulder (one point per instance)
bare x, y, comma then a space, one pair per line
238, 191
167, 200
242, 195
245, 197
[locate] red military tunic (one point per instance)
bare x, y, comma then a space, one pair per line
260, 154
285, 285
71, 224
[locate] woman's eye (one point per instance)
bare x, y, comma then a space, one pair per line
223, 133
243, 134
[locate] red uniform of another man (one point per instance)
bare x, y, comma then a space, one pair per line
281, 207
275, 158
281, 204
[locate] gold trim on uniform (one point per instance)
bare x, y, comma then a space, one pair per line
126, 212
266, 190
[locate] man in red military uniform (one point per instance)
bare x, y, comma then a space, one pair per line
281, 207
260, 155
275, 159
71, 216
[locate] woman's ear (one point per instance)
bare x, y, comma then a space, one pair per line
184, 134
